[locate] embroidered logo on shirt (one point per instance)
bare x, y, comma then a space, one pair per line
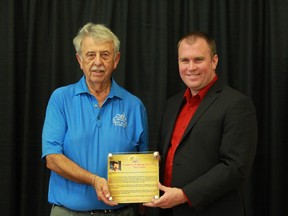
120, 120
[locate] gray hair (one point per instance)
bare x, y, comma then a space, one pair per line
97, 31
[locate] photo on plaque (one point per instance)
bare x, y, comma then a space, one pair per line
133, 177
115, 166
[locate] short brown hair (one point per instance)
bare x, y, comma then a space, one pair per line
191, 38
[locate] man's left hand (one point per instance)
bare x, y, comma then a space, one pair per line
171, 197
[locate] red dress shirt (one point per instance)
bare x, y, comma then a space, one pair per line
183, 119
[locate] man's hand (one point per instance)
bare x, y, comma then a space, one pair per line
171, 197
101, 187
65, 167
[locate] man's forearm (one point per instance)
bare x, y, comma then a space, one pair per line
63, 166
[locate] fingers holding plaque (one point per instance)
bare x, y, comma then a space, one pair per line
133, 178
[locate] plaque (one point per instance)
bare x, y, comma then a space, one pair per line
133, 177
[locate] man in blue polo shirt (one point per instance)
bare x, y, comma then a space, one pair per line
85, 122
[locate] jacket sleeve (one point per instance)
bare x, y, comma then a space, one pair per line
236, 152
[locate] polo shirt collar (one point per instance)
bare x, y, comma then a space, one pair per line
82, 88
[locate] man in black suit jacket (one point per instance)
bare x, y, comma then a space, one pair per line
207, 139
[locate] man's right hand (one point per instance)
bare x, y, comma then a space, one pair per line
101, 187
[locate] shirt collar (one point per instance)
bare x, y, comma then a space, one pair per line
201, 93
82, 88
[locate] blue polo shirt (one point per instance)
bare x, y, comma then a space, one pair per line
85, 133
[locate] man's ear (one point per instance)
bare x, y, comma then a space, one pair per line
215, 61
79, 59
116, 60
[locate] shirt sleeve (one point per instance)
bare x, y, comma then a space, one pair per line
144, 139
55, 126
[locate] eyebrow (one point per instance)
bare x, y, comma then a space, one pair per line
200, 57
101, 51
195, 58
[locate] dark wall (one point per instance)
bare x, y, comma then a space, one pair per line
37, 56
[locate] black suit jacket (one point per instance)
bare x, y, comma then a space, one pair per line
216, 152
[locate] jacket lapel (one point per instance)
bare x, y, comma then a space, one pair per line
173, 117
208, 99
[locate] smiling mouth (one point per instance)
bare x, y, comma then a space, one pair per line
97, 71
193, 75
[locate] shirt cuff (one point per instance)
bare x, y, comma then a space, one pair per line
187, 199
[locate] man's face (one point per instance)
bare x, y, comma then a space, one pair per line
196, 68
115, 166
97, 60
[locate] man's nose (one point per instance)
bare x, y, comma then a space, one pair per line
192, 66
97, 60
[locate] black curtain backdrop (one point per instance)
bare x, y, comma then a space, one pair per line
37, 56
